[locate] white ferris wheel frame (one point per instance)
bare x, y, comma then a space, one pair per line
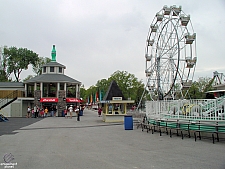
170, 54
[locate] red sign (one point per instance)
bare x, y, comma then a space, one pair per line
72, 100
49, 100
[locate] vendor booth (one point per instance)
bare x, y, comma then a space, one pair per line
114, 104
114, 110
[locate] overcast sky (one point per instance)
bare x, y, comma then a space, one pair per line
95, 38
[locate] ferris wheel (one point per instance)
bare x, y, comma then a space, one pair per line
170, 54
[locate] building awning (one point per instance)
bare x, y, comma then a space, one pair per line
72, 100
117, 101
215, 91
49, 100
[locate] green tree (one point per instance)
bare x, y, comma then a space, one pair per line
82, 92
90, 91
199, 88
204, 84
3, 76
194, 91
37, 68
28, 77
18, 60
102, 86
128, 83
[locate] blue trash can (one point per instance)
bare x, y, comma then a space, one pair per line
128, 122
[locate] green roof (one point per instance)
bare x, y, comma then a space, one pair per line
55, 64
54, 78
11, 84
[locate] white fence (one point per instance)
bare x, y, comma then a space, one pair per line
187, 109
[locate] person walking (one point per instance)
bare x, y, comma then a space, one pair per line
78, 113
99, 111
65, 113
32, 112
28, 112
36, 111
54, 111
46, 112
71, 111
51, 110
42, 112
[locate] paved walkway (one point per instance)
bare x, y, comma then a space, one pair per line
59, 143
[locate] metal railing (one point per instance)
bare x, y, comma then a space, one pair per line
10, 98
205, 109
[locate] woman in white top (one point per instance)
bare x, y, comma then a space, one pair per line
71, 110
28, 112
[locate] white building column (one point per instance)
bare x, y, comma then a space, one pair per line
35, 86
41, 88
25, 88
65, 89
77, 91
58, 88
47, 91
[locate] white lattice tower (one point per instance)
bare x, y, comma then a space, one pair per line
1, 58
219, 78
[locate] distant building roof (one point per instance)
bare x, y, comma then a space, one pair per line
52, 63
11, 84
113, 91
54, 78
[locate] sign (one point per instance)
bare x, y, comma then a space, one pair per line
49, 100
72, 100
104, 101
117, 98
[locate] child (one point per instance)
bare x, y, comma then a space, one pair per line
65, 113
46, 112
99, 111
32, 111
28, 112
42, 113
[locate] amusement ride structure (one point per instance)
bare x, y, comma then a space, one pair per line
170, 54
170, 65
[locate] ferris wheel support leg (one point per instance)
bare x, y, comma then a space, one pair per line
140, 99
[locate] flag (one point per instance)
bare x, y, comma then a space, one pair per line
100, 95
94, 97
97, 98
91, 99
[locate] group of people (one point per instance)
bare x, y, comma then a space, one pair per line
77, 109
36, 112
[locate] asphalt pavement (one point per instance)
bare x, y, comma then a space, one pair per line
60, 143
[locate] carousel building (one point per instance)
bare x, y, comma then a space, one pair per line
50, 89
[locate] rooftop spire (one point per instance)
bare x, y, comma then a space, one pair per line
53, 53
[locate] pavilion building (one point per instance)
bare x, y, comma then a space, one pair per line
50, 89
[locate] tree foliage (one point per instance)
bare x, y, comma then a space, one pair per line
199, 88
37, 68
28, 77
128, 83
18, 59
82, 91
3, 76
